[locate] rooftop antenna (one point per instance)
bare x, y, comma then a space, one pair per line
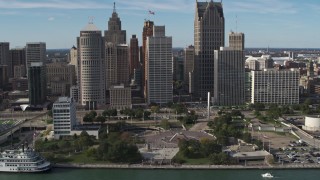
236, 23
114, 7
91, 18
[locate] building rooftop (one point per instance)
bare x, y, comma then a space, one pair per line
64, 99
90, 27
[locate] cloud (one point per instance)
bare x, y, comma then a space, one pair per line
51, 19
262, 6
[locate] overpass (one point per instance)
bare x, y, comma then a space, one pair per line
30, 123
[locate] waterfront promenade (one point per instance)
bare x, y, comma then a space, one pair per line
183, 167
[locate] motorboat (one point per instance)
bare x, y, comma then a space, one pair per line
267, 175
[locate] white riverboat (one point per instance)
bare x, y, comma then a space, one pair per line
267, 175
23, 161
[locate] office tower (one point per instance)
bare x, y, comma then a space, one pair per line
91, 65
123, 64
229, 72
37, 83
74, 59
178, 74
120, 97
74, 93
134, 55
64, 116
208, 36
188, 63
18, 58
159, 67
35, 52
20, 84
248, 83
147, 31
236, 41
111, 64
114, 33
272, 86
229, 77
5, 59
116, 53
60, 77
3, 76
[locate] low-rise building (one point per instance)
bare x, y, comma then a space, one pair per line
120, 97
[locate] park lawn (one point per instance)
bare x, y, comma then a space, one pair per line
199, 161
82, 158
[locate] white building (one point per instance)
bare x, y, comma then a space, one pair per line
64, 116
259, 63
275, 87
91, 67
159, 62
312, 123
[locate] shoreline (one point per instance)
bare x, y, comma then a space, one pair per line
183, 167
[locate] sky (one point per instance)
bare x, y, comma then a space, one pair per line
273, 23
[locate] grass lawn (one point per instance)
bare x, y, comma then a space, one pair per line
84, 159
190, 161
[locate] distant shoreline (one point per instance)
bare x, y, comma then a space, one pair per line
182, 167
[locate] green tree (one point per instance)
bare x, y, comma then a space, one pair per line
100, 119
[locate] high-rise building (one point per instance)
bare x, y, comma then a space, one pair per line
4, 57
178, 69
37, 83
35, 52
18, 58
114, 33
272, 86
159, 67
229, 72
147, 31
123, 64
134, 55
229, 77
3, 76
236, 41
116, 53
73, 59
64, 116
91, 65
60, 77
208, 37
111, 64
188, 63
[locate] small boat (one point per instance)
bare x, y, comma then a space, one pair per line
267, 175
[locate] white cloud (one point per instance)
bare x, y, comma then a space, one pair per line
51, 19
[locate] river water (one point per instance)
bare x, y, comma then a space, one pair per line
138, 174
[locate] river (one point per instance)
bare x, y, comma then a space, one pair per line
129, 174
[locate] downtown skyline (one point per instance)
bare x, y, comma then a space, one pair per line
273, 23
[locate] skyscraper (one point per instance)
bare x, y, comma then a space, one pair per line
91, 66
114, 33
159, 67
35, 52
37, 83
116, 53
18, 58
73, 59
208, 36
188, 63
147, 31
4, 57
134, 55
123, 64
229, 72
